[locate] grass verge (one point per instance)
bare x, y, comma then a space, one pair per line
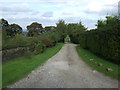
17, 68
94, 61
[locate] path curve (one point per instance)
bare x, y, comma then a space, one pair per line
65, 70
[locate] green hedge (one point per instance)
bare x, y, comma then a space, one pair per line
24, 41
104, 43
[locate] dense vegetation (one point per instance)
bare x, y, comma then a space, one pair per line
103, 41
37, 38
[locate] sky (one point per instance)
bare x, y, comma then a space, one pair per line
48, 12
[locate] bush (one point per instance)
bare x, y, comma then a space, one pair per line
35, 44
45, 40
39, 48
54, 36
17, 41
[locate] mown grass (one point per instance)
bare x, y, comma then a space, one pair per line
17, 68
87, 55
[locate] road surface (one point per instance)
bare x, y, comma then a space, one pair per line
65, 70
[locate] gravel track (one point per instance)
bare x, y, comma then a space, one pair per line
65, 70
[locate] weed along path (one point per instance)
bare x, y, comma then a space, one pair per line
65, 70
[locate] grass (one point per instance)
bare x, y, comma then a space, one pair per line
87, 55
17, 68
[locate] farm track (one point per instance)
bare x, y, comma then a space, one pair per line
65, 70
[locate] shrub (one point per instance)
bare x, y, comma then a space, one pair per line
54, 36
17, 41
45, 40
39, 48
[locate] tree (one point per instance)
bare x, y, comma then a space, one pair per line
14, 29
100, 24
34, 29
62, 29
111, 22
10, 30
50, 28
74, 30
4, 26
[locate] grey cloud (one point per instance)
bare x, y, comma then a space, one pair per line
8, 13
15, 9
48, 14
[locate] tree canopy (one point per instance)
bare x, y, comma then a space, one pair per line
10, 30
14, 29
50, 28
34, 29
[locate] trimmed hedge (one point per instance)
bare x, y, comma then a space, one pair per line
104, 43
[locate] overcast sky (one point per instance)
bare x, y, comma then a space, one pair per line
48, 12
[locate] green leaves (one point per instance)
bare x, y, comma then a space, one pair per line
34, 29
14, 29
103, 41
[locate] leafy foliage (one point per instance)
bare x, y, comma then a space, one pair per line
14, 29
17, 41
49, 28
62, 29
103, 41
4, 24
10, 30
34, 29
74, 30
39, 48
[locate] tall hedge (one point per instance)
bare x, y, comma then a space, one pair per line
102, 42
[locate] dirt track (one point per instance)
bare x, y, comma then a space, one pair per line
65, 70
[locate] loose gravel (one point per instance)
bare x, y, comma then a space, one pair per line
65, 70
